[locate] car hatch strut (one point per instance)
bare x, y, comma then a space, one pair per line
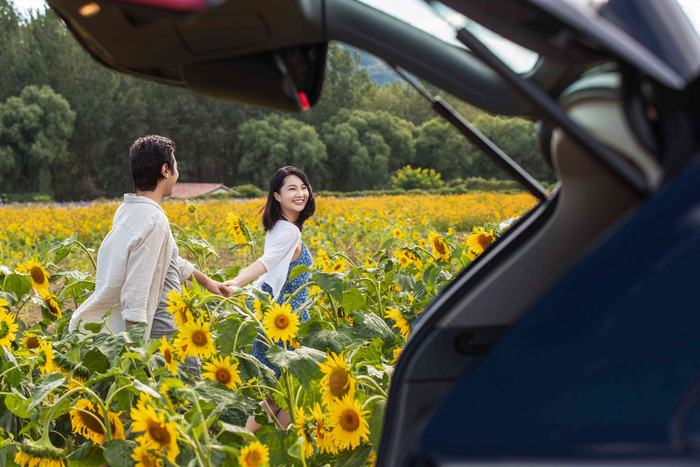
504, 162
556, 115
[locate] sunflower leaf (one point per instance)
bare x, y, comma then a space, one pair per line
370, 325
352, 300
51, 382
118, 453
298, 270
237, 430
95, 361
355, 458
376, 421
18, 283
302, 362
17, 405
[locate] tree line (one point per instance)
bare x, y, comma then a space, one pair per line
66, 123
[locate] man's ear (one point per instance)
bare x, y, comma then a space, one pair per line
165, 170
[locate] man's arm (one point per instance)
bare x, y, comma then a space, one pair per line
210, 284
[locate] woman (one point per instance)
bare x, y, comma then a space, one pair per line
290, 202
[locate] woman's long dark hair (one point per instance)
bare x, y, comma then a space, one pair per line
273, 212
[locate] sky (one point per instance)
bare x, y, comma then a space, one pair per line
416, 12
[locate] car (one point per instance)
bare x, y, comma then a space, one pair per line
572, 339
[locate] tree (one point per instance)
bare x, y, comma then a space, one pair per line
271, 143
364, 148
516, 137
441, 147
34, 132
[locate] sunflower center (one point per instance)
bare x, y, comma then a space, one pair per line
253, 458
484, 240
223, 376
168, 356
199, 338
320, 432
159, 433
349, 420
183, 315
440, 247
37, 275
31, 342
53, 308
338, 383
91, 420
281, 322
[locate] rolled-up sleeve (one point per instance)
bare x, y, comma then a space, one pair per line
185, 268
141, 264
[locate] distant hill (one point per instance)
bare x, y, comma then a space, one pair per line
378, 70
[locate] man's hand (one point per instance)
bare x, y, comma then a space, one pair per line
218, 288
211, 285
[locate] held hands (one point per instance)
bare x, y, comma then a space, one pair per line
218, 288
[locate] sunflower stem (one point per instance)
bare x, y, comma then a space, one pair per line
52, 410
205, 432
87, 252
372, 399
335, 311
370, 382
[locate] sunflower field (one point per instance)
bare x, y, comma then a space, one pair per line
95, 398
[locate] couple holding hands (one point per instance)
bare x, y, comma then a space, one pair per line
138, 262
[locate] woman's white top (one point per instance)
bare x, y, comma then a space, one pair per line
280, 243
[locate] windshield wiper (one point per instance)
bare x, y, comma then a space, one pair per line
504, 162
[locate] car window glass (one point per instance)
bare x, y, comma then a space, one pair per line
442, 22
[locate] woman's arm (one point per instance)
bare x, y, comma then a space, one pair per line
210, 284
247, 275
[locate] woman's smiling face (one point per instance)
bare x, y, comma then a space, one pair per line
292, 196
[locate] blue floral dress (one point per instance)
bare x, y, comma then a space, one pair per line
289, 287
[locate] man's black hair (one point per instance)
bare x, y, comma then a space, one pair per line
147, 156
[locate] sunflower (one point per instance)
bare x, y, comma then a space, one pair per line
158, 434
52, 304
196, 340
40, 454
40, 278
440, 248
337, 382
324, 438
8, 328
46, 356
145, 457
401, 322
300, 425
75, 382
168, 352
178, 306
223, 371
340, 265
398, 233
395, 355
254, 454
87, 419
235, 227
3, 304
349, 424
479, 240
31, 342
259, 308
280, 323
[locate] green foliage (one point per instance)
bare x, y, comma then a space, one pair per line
34, 132
492, 184
248, 191
274, 142
409, 178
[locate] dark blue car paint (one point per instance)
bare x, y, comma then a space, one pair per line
603, 362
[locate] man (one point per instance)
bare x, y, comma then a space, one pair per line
139, 255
